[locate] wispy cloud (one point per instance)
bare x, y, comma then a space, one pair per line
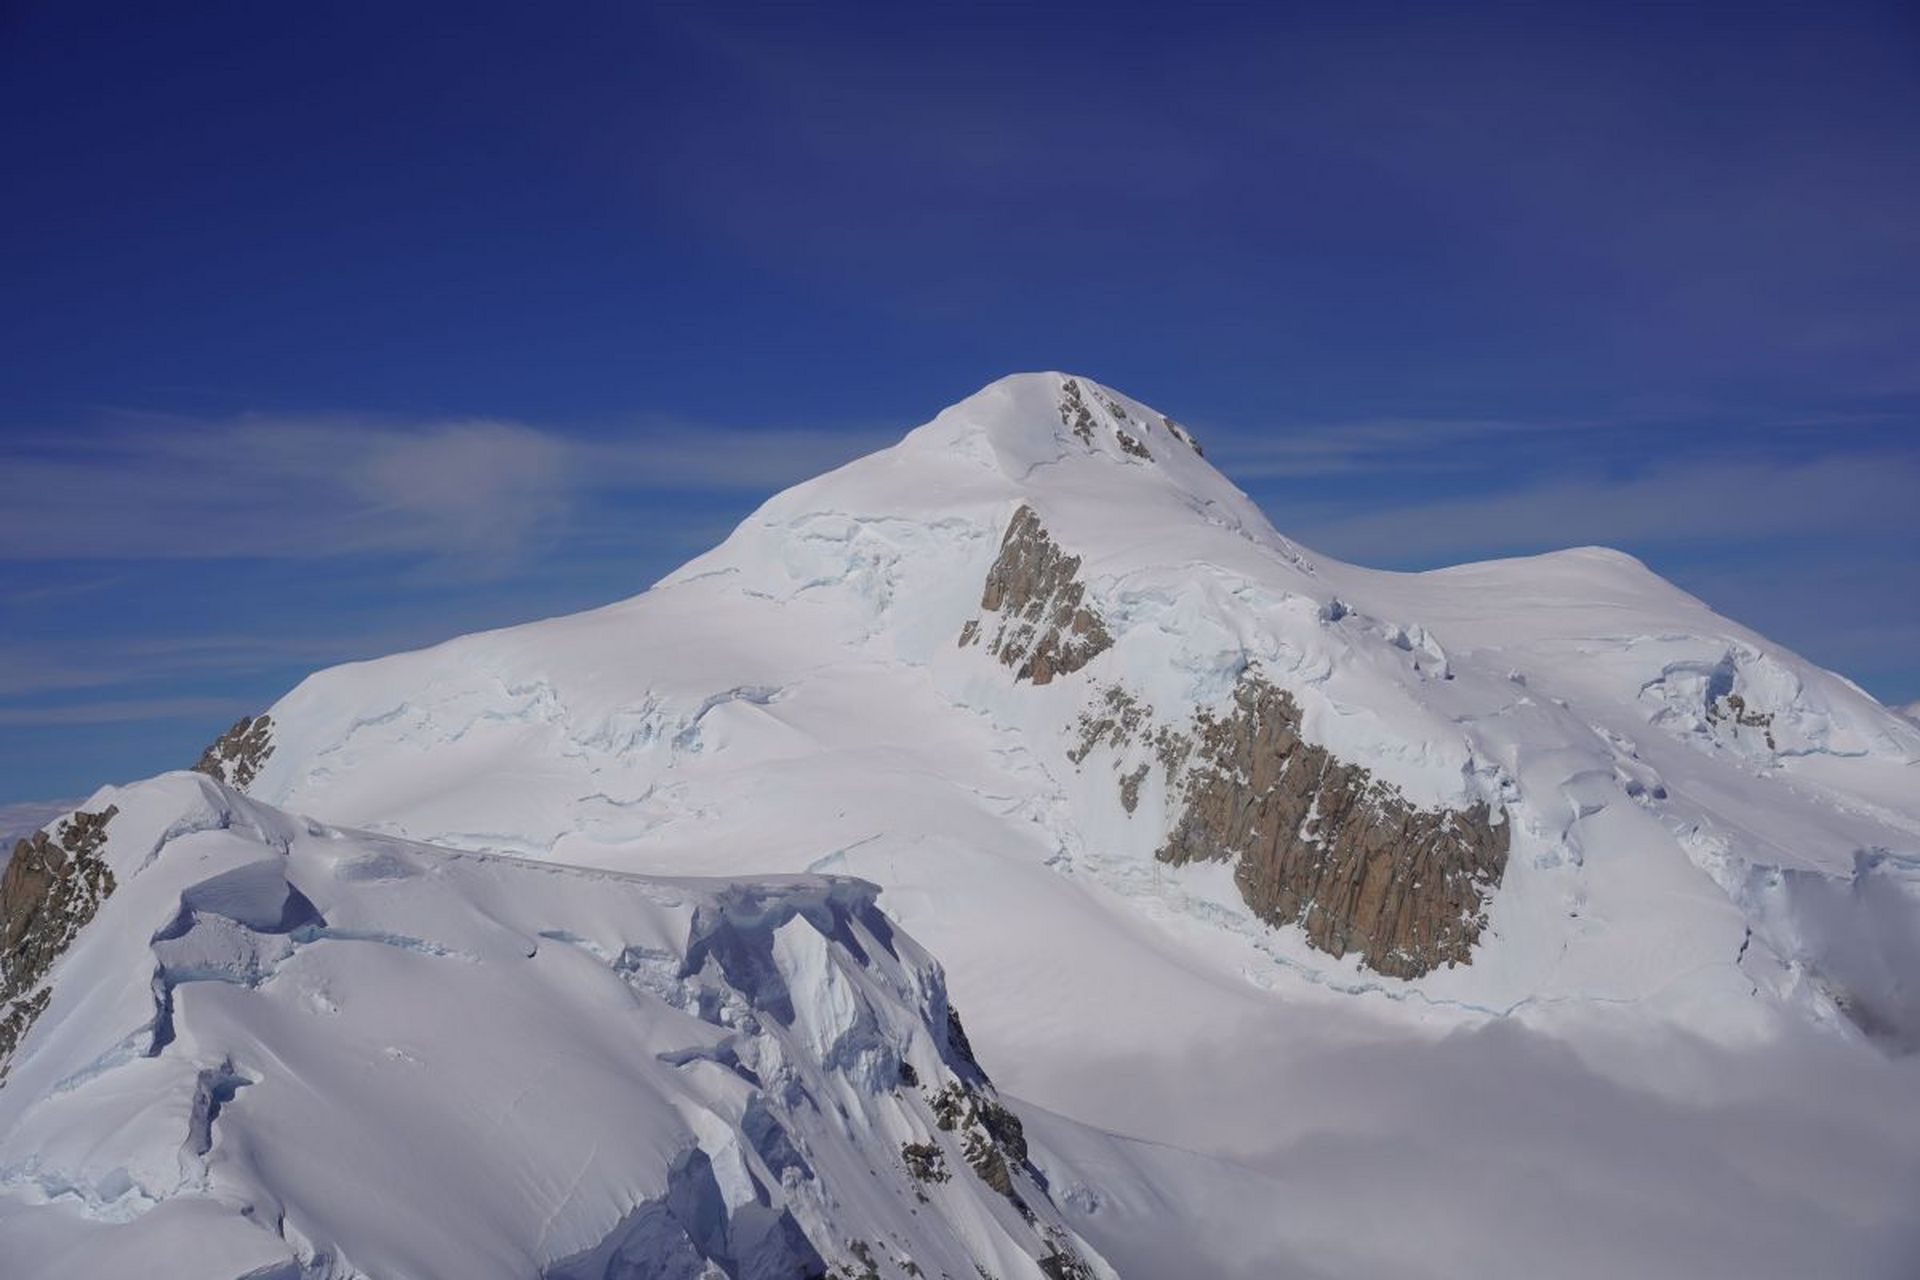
124, 712
1310, 450
313, 488
69, 663
259, 487
1859, 495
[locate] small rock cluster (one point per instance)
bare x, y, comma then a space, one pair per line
236, 755
1732, 707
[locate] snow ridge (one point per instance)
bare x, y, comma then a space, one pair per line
657, 1077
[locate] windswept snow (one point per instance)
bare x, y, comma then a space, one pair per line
1676, 1050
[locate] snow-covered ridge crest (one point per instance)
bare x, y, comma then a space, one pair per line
803, 696
528, 1069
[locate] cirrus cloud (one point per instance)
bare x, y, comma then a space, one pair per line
309, 488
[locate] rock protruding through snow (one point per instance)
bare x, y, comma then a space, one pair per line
1046, 628
235, 756
1313, 840
51, 888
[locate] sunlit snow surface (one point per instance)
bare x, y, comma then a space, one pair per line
1682, 1047
292, 1050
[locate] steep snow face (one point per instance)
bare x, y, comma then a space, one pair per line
281, 1048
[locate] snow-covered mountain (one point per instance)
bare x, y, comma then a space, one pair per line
1519, 917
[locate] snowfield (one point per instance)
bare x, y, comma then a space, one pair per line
1682, 1044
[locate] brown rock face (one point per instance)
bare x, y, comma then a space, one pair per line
51, 888
236, 756
1046, 628
1327, 845
1313, 841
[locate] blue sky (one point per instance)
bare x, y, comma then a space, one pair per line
331, 330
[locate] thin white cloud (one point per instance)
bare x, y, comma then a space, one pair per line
260, 487
1695, 502
79, 662
123, 712
257, 487
1308, 450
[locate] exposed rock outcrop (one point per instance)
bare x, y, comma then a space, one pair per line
1046, 628
1078, 417
924, 1162
51, 888
1313, 840
1732, 707
993, 1139
1074, 413
235, 756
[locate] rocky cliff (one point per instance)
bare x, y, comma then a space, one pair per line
1313, 840
52, 887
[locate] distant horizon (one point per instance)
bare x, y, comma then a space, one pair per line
337, 334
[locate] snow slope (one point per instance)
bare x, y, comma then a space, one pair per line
1707, 922
795, 699
284, 1049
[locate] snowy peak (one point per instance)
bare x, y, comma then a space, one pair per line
1111, 471
1030, 420
1045, 618
1171, 798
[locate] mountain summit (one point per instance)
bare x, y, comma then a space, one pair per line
1171, 797
1048, 595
